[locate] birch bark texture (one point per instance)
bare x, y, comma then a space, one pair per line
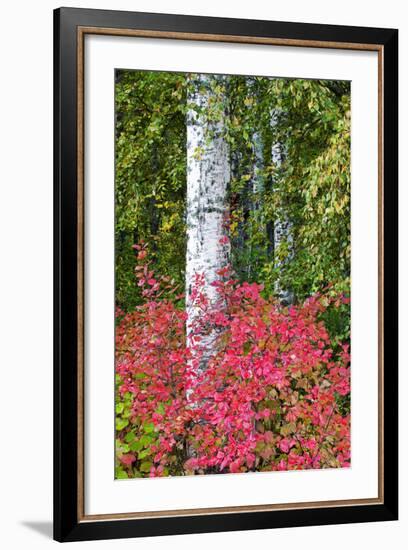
208, 176
282, 232
257, 189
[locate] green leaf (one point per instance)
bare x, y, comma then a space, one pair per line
120, 474
121, 423
145, 466
148, 428
121, 447
144, 454
130, 436
146, 440
136, 446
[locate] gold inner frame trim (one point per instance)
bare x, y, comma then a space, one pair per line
81, 33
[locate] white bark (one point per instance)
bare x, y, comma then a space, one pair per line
257, 184
282, 225
258, 164
208, 175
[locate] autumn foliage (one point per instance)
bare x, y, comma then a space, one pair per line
273, 396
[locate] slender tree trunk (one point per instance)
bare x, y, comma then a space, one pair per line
208, 175
282, 228
241, 206
257, 183
257, 179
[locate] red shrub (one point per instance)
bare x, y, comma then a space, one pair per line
268, 399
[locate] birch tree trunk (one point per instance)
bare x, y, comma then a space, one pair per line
282, 226
208, 175
257, 188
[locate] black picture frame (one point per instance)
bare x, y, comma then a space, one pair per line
68, 525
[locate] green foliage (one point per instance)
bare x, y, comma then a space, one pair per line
309, 187
150, 175
315, 187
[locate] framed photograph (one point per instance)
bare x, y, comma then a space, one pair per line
225, 274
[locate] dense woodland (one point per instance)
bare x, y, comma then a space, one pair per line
289, 159
232, 214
